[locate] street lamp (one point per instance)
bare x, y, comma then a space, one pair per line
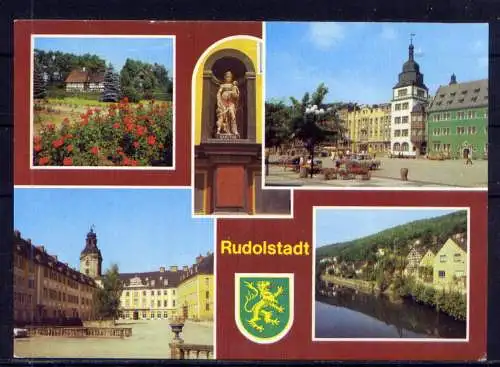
315, 113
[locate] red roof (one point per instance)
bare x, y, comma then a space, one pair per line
80, 76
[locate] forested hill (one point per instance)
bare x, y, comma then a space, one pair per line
432, 233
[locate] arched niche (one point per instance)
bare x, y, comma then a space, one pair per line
243, 70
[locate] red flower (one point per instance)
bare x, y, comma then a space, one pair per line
85, 121
38, 148
69, 148
94, 150
37, 139
58, 143
136, 144
125, 100
51, 126
66, 121
160, 146
68, 161
43, 161
97, 110
151, 140
140, 130
116, 125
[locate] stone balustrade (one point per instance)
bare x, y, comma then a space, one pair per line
80, 332
191, 351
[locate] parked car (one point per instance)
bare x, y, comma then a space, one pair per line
366, 160
20, 333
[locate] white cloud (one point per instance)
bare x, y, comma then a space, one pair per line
388, 33
419, 52
479, 46
325, 35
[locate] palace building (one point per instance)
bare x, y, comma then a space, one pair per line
409, 91
47, 290
159, 295
458, 120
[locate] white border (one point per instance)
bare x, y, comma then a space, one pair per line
193, 129
291, 296
392, 340
214, 248
337, 188
103, 168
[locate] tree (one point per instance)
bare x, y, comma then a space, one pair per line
277, 124
111, 91
39, 85
107, 300
313, 122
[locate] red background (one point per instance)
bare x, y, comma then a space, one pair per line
192, 39
298, 344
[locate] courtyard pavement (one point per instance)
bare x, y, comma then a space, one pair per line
421, 173
150, 339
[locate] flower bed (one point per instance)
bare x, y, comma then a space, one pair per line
121, 135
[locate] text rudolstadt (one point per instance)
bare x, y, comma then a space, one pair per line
300, 248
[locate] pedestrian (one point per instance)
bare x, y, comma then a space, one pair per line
469, 159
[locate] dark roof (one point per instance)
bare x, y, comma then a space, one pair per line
205, 265
418, 108
411, 74
81, 76
91, 245
38, 254
472, 94
152, 279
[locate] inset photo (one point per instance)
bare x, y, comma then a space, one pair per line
103, 101
101, 282
387, 273
405, 108
227, 112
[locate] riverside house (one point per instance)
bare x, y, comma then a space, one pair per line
450, 266
425, 272
413, 261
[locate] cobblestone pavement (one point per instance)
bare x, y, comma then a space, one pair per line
149, 339
421, 173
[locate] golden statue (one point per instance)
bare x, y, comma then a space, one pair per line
227, 105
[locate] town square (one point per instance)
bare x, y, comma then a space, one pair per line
112, 290
406, 109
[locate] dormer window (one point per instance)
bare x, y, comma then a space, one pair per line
477, 90
461, 100
474, 99
441, 95
453, 94
464, 92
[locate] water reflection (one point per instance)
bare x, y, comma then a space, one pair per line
347, 313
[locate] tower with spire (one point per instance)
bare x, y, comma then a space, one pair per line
90, 257
409, 91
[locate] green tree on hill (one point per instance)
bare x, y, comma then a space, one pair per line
111, 92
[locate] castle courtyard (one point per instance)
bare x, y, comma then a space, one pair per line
150, 339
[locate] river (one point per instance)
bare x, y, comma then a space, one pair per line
346, 313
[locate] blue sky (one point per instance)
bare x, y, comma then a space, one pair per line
114, 50
139, 229
339, 225
360, 62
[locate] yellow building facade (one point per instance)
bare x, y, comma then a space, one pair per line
47, 290
368, 127
450, 267
196, 291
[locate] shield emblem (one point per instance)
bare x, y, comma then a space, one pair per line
264, 305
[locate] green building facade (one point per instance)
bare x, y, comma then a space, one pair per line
457, 121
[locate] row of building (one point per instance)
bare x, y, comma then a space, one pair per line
445, 269
453, 123
47, 290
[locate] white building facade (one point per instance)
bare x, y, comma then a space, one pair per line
408, 92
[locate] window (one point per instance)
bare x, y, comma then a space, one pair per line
477, 90
464, 92
173, 303
470, 114
397, 120
405, 106
158, 304
437, 147
159, 315
449, 102
442, 274
207, 294
173, 292
405, 119
460, 130
165, 315
126, 294
471, 130
461, 100
207, 307
165, 303
405, 147
459, 274
143, 293
397, 107
404, 132
397, 133
402, 92
420, 93
165, 292
474, 99
441, 95
442, 258
144, 315
453, 94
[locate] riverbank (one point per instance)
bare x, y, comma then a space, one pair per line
357, 284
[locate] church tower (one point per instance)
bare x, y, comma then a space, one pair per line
406, 94
90, 257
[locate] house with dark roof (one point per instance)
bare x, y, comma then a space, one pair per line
84, 81
458, 120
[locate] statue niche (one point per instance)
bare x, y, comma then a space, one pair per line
228, 106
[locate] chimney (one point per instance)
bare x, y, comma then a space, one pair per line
162, 269
185, 268
173, 268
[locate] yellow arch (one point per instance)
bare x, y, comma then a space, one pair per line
248, 45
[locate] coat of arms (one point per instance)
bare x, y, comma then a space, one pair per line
264, 306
